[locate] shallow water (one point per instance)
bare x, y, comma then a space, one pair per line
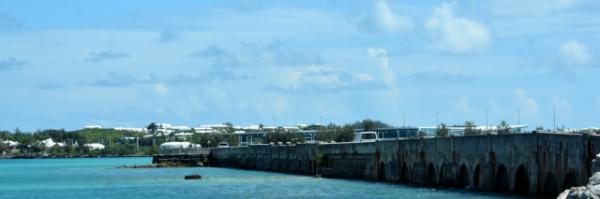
99, 178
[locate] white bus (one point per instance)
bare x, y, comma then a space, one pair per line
366, 136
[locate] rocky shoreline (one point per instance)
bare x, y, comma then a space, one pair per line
591, 190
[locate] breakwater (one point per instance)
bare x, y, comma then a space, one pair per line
517, 163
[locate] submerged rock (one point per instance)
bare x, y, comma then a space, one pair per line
193, 177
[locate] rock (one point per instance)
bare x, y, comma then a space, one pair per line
591, 190
193, 177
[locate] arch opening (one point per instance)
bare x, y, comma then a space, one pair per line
502, 183
381, 172
570, 180
431, 174
521, 180
403, 172
550, 185
463, 177
442, 179
476, 177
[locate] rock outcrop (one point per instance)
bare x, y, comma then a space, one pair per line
591, 190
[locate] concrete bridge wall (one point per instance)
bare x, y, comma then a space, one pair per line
517, 163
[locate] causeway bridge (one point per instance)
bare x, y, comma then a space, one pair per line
539, 163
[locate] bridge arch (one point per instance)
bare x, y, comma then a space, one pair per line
550, 185
431, 177
462, 180
502, 183
521, 180
403, 172
476, 176
381, 172
570, 180
442, 180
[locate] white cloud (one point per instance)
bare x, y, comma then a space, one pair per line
381, 19
530, 110
323, 78
531, 7
161, 89
573, 52
387, 74
456, 34
463, 105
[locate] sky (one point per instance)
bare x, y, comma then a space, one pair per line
71, 63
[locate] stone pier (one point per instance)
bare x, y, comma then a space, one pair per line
542, 164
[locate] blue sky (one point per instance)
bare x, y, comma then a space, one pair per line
70, 63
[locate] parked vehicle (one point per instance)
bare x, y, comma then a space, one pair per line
223, 145
365, 136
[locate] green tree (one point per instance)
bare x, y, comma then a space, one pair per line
503, 128
368, 125
470, 128
442, 130
229, 128
3, 147
421, 134
345, 134
152, 127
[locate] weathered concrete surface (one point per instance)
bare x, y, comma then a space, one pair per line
517, 163
192, 160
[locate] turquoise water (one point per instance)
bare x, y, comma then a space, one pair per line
99, 178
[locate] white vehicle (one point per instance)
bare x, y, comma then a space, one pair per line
366, 136
223, 145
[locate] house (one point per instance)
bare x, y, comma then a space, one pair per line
92, 127
94, 146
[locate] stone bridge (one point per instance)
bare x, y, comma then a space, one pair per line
518, 163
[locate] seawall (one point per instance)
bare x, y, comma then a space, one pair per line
517, 163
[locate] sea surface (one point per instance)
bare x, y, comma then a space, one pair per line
100, 178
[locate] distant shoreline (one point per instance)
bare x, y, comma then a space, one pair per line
71, 156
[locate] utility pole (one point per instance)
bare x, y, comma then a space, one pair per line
404, 120
554, 111
437, 118
518, 116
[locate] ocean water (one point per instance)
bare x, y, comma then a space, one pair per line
100, 178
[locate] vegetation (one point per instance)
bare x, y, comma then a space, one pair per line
503, 128
470, 128
74, 142
335, 133
369, 125
442, 130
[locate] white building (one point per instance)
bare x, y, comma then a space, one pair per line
11, 144
163, 128
202, 129
92, 127
94, 146
181, 128
132, 129
49, 143
177, 147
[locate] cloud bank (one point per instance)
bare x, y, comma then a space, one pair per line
456, 34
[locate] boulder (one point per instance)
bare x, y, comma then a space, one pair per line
193, 177
591, 190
